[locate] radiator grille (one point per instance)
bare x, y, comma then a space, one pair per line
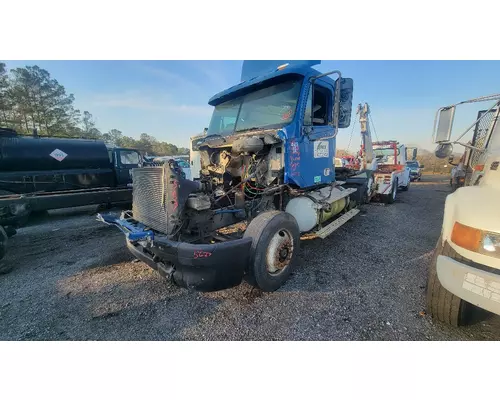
150, 205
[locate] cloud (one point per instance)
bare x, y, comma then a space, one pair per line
170, 77
149, 101
213, 71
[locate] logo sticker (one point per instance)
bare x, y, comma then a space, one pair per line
321, 149
317, 179
326, 172
59, 155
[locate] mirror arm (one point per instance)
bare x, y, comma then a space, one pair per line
470, 146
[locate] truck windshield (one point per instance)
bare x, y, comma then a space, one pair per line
412, 164
270, 107
384, 152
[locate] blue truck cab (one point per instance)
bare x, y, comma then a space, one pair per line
267, 177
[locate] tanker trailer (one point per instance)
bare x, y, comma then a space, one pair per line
44, 173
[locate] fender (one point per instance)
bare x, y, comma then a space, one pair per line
475, 206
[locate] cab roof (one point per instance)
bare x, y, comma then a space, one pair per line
267, 71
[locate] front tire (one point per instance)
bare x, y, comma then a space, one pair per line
391, 197
4, 268
276, 240
443, 305
405, 188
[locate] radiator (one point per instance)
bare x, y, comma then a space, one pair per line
159, 195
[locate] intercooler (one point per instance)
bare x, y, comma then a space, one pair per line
159, 196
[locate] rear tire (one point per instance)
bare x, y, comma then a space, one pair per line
443, 305
276, 240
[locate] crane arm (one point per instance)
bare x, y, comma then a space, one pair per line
367, 152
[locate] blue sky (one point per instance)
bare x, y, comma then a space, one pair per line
168, 99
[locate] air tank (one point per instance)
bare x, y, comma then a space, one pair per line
18, 153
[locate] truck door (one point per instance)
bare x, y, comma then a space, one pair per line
125, 161
313, 154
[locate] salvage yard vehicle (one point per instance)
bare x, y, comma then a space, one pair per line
464, 274
267, 177
380, 164
415, 170
45, 173
391, 174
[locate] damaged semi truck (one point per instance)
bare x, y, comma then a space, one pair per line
267, 178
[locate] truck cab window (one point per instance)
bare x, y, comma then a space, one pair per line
129, 158
320, 110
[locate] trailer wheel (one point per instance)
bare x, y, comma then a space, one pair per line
4, 268
443, 305
389, 198
276, 240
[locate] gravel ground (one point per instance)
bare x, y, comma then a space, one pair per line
75, 280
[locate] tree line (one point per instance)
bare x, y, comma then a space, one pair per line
31, 99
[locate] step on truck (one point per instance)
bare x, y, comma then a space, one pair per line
392, 173
267, 178
464, 273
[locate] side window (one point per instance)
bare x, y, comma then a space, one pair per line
321, 107
110, 155
129, 157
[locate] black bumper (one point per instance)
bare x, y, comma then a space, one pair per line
202, 267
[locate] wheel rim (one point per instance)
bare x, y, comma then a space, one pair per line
279, 252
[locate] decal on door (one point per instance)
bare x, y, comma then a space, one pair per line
321, 149
59, 155
294, 158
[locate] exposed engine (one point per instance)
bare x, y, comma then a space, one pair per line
242, 171
236, 181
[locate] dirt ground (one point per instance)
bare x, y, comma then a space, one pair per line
75, 280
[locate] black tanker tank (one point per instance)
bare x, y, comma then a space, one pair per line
34, 164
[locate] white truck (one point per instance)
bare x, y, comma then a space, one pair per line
392, 173
381, 164
464, 274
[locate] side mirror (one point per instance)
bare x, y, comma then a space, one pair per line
444, 125
345, 104
443, 150
422, 166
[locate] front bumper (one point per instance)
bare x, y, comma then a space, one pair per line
202, 267
474, 283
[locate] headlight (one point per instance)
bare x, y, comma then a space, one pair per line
476, 240
491, 243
